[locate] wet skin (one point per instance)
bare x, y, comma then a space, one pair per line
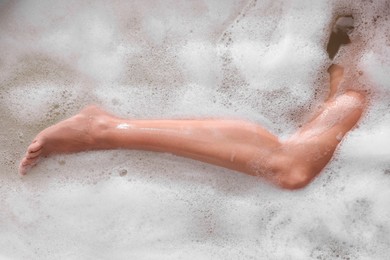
235, 144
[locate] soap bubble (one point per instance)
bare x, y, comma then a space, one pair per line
264, 61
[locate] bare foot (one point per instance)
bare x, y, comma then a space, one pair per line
76, 134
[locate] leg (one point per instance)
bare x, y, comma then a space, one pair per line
233, 144
312, 147
228, 143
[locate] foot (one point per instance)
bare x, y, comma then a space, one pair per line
76, 134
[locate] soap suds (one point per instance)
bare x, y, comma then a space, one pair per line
263, 61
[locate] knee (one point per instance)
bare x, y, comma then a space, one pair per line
355, 94
296, 178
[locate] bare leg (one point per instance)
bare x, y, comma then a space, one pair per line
223, 142
234, 144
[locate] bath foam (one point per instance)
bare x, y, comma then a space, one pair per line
87, 41
146, 59
45, 101
273, 50
198, 59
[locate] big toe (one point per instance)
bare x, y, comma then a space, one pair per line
34, 147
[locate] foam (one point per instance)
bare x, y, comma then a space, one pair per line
264, 61
45, 96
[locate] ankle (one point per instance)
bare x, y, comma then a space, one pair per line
97, 130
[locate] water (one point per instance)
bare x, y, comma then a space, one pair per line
260, 60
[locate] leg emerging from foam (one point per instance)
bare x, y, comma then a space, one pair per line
238, 145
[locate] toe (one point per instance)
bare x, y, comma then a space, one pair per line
32, 155
26, 164
25, 161
34, 147
29, 161
23, 167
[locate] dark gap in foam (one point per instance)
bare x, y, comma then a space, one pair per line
339, 35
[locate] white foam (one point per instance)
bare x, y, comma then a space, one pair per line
260, 60
44, 101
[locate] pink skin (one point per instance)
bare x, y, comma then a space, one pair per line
238, 145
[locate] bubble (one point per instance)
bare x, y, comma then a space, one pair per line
264, 61
61, 162
122, 172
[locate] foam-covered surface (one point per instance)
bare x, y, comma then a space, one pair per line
260, 60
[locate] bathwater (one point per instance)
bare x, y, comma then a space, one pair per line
263, 61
